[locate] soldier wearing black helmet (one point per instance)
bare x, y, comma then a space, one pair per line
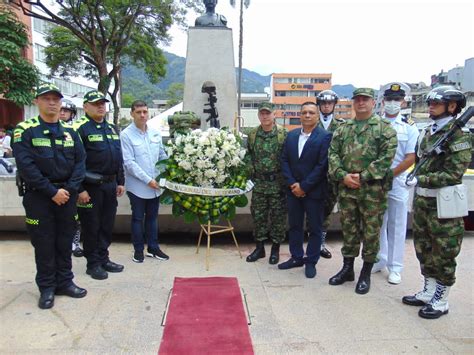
68, 111
326, 101
438, 239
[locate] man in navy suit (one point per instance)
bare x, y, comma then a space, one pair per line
304, 165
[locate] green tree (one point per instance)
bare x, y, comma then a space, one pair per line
174, 94
97, 37
127, 100
17, 76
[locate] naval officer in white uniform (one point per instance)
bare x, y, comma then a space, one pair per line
393, 231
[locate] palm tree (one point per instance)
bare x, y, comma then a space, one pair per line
247, 4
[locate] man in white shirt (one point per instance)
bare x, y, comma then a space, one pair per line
393, 231
142, 148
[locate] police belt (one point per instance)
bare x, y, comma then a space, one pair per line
421, 191
268, 176
57, 184
97, 179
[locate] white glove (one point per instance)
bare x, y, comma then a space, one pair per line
411, 182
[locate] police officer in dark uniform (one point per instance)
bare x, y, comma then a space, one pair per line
104, 182
51, 164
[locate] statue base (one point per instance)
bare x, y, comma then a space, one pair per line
210, 57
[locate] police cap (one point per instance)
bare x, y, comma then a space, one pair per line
94, 96
47, 88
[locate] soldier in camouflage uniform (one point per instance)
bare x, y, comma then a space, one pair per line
268, 206
360, 156
326, 101
438, 241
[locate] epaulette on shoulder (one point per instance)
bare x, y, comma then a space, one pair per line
80, 122
384, 120
339, 120
32, 122
408, 120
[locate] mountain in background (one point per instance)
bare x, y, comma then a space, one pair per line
136, 83
343, 90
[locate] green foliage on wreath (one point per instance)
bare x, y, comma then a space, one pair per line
214, 158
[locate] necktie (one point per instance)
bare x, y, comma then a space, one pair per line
434, 128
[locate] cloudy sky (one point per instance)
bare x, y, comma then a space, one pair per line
362, 43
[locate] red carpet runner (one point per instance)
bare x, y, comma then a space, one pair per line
206, 316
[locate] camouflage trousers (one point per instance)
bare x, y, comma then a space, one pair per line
329, 204
269, 216
437, 241
361, 220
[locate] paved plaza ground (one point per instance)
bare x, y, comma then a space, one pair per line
289, 314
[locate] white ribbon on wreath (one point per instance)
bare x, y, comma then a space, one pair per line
205, 191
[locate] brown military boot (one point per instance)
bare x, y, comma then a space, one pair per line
258, 253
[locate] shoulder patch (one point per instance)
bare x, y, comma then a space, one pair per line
408, 120
80, 122
460, 146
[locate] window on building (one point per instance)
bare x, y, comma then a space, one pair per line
280, 93
282, 80
295, 121
40, 55
302, 80
41, 25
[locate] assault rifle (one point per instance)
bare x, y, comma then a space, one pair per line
439, 147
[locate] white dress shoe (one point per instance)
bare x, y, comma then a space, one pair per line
394, 278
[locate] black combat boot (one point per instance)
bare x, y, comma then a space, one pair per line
363, 285
275, 254
346, 273
258, 253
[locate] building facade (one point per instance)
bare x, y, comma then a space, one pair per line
290, 90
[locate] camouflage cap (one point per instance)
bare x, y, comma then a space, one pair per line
364, 92
46, 88
94, 96
265, 106
394, 91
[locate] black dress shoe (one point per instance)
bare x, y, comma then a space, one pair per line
46, 300
97, 273
110, 266
326, 254
290, 264
72, 291
310, 270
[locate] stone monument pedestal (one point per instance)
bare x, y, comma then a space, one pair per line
210, 57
